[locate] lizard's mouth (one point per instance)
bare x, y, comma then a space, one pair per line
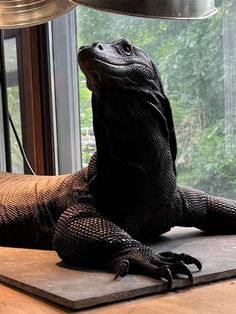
97, 71
88, 64
94, 78
85, 52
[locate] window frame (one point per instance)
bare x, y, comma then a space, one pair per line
50, 136
35, 98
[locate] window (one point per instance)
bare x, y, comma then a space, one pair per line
10, 102
197, 62
27, 94
13, 100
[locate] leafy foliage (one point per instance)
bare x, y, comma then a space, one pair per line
13, 106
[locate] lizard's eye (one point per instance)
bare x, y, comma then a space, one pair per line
127, 48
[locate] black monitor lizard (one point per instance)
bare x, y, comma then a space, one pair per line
100, 216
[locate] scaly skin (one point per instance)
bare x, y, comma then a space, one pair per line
101, 215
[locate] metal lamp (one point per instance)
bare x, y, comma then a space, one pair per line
170, 9
21, 13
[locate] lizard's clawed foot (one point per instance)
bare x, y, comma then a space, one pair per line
161, 266
148, 269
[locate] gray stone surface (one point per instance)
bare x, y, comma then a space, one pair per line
41, 272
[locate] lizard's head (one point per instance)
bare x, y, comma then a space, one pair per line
116, 65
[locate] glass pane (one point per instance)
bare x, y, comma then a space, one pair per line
197, 62
13, 101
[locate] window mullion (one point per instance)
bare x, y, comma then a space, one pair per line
66, 109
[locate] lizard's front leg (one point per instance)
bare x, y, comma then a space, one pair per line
84, 237
209, 213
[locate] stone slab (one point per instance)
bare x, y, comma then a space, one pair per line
41, 273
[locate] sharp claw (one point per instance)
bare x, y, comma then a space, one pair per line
191, 260
117, 275
182, 268
197, 263
165, 273
123, 269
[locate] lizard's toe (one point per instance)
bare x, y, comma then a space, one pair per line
164, 272
188, 259
170, 257
181, 268
123, 269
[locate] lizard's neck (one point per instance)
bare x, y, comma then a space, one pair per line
132, 145
124, 134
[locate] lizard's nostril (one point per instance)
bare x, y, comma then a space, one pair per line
100, 47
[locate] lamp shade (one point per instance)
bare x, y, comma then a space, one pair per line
172, 9
21, 13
